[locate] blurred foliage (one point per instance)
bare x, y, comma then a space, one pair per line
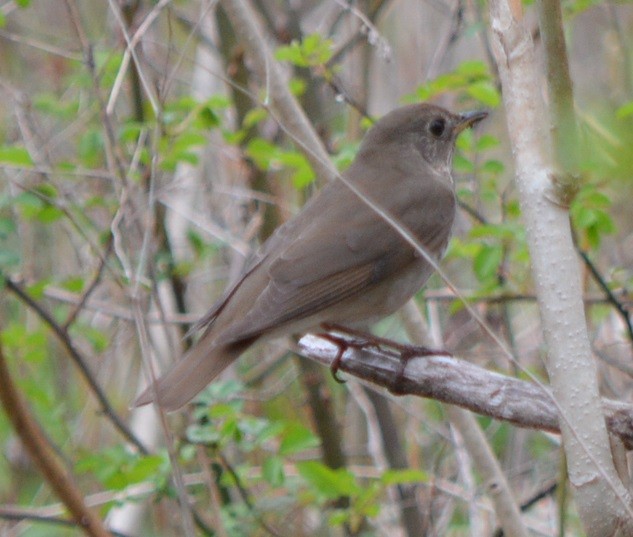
470, 78
312, 51
78, 176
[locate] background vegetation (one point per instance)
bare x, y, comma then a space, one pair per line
141, 162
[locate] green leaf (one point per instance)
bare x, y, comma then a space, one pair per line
401, 477
36, 290
486, 141
338, 517
49, 213
273, 471
312, 51
189, 140
271, 430
224, 410
485, 92
47, 190
219, 101
34, 207
486, 262
329, 483
262, 152
465, 140
97, 338
513, 209
15, 155
297, 86
625, 110
207, 434
228, 390
496, 231
130, 132
74, 284
473, 69
303, 177
254, 116
208, 118
297, 438
594, 198
29, 345
461, 164
493, 167
52, 105
90, 148
118, 468
182, 148
345, 156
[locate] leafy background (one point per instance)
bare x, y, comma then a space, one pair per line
135, 185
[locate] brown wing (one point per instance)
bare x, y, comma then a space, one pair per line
335, 256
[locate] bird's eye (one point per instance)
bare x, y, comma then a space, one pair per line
437, 126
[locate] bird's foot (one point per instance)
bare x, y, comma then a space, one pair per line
343, 344
364, 340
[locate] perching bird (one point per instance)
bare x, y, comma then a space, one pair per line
337, 261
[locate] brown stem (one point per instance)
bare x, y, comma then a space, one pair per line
411, 516
57, 476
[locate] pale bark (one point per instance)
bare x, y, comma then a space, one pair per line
458, 382
602, 501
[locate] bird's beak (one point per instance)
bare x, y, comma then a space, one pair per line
468, 119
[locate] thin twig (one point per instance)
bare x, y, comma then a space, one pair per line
79, 361
611, 298
245, 495
74, 312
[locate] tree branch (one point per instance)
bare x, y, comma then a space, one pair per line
458, 382
604, 504
57, 476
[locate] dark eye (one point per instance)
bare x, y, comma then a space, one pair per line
437, 126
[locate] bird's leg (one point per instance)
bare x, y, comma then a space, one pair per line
407, 352
342, 345
364, 340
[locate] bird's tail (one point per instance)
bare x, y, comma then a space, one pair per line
187, 377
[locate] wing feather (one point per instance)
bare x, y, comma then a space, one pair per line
341, 260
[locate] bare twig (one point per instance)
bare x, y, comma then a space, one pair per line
360, 35
487, 465
245, 495
546, 491
79, 306
610, 296
79, 361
